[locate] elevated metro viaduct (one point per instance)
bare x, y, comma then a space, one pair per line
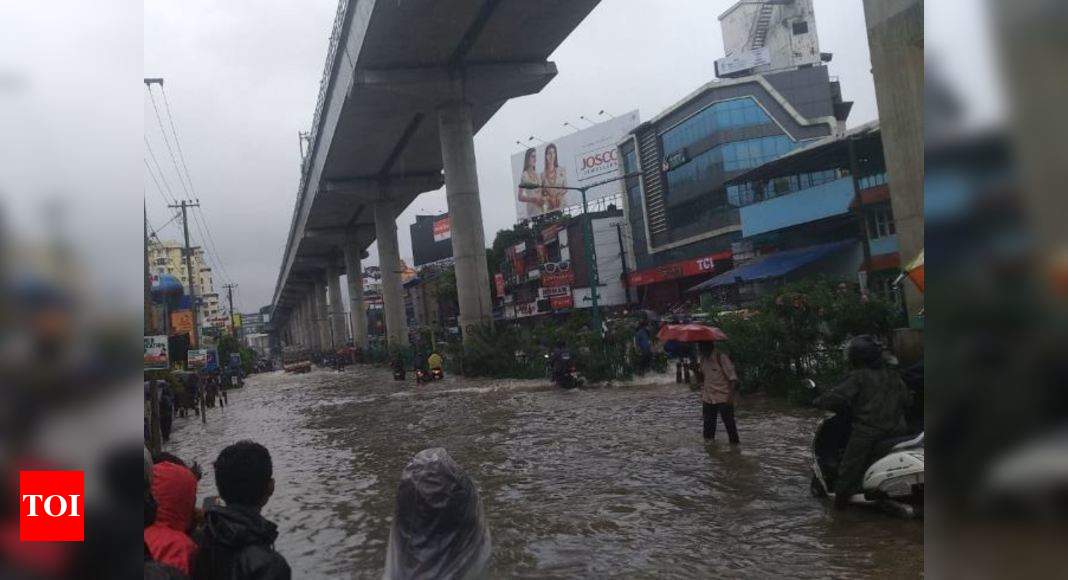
406, 87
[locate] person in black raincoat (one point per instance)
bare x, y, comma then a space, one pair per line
237, 542
876, 400
439, 528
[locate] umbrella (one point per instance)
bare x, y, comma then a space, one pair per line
690, 333
915, 271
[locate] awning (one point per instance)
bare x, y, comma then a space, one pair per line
774, 265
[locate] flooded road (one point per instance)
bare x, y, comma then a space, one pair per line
592, 483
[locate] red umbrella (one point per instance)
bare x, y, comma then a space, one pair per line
690, 333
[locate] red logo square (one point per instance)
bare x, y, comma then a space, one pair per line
51, 506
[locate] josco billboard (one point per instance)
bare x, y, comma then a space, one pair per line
574, 160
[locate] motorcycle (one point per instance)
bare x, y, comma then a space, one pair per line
894, 479
423, 376
563, 371
437, 374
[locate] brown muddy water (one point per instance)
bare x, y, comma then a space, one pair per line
609, 482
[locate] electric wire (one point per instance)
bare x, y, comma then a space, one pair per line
166, 186
167, 142
177, 141
207, 237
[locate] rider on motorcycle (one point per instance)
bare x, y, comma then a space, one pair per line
560, 361
876, 400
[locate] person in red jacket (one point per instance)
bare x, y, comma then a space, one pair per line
175, 489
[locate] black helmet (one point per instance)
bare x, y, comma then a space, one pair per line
865, 351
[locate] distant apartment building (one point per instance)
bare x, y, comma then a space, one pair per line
167, 257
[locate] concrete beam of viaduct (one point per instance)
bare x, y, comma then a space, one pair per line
371, 189
479, 83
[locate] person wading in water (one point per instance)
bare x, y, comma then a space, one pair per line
719, 389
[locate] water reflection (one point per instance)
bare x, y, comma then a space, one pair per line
581, 483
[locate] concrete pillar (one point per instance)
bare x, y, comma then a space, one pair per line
302, 337
357, 310
465, 211
309, 318
295, 326
337, 310
322, 315
389, 261
311, 334
895, 40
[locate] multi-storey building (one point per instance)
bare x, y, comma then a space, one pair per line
167, 257
683, 219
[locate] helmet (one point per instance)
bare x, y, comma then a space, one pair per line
864, 351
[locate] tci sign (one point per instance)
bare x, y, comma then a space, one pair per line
51, 506
683, 269
597, 162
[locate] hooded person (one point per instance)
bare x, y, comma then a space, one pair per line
174, 488
237, 541
876, 400
439, 528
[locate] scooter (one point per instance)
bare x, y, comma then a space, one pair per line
894, 480
423, 376
567, 377
437, 373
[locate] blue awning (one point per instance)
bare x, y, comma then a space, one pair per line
774, 265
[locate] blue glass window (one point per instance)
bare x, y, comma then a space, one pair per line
872, 180
734, 114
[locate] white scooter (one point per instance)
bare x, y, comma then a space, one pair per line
894, 481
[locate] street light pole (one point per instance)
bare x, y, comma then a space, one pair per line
589, 250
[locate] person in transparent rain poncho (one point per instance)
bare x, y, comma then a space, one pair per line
439, 527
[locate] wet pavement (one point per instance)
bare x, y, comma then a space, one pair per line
591, 483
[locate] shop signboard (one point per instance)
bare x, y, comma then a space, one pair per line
197, 358
580, 159
683, 269
157, 353
526, 309
182, 322
442, 229
562, 302
558, 278
553, 292
742, 61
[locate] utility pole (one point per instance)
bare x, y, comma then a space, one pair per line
189, 265
623, 261
230, 299
150, 323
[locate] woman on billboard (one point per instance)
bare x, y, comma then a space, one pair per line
532, 197
553, 180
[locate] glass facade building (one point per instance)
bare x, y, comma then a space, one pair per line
680, 208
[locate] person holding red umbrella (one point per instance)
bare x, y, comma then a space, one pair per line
719, 385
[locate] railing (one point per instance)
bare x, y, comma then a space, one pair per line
316, 128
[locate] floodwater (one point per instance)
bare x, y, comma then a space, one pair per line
591, 483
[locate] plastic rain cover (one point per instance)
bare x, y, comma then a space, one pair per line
439, 528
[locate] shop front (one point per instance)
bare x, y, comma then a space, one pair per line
663, 287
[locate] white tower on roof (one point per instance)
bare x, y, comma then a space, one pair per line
768, 35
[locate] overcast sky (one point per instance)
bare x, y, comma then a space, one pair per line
242, 78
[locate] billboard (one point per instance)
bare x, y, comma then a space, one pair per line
197, 358
431, 238
442, 229
157, 356
576, 160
